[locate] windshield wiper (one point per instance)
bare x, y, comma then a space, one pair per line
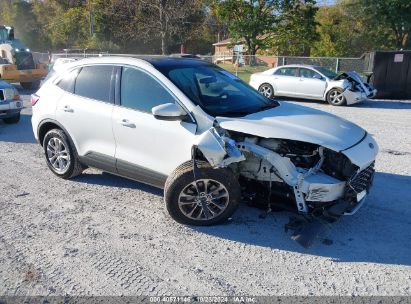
271, 105
234, 113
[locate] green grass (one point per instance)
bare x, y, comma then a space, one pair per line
243, 72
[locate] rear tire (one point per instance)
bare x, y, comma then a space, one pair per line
12, 120
61, 155
266, 90
30, 85
214, 199
335, 97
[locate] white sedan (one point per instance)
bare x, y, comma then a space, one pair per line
312, 82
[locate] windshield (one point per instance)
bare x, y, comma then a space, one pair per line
24, 61
216, 91
326, 72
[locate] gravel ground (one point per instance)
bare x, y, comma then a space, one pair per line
104, 235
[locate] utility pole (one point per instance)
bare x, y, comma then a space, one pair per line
91, 16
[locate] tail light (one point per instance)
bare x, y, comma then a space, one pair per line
16, 95
34, 99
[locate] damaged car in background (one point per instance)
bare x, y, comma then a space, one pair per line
206, 137
313, 82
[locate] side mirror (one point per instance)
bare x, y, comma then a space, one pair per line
168, 111
319, 77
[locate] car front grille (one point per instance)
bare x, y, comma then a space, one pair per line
362, 180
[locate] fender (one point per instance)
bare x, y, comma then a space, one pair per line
48, 120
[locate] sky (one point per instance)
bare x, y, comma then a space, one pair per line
325, 2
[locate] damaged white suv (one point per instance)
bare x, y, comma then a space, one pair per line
204, 136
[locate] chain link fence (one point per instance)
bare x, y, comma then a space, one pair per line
41, 57
245, 65
241, 65
333, 63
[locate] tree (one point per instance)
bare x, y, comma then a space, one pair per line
64, 23
166, 18
115, 23
19, 14
392, 14
295, 31
251, 21
349, 29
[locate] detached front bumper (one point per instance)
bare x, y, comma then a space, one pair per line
362, 155
353, 97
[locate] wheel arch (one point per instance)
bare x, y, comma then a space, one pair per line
270, 81
327, 90
49, 124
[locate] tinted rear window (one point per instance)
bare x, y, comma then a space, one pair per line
286, 72
94, 82
67, 82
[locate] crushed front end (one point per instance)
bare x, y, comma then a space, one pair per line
316, 183
356, 89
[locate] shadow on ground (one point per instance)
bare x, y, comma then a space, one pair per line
110, 180
21, 132
370, 103
379, 233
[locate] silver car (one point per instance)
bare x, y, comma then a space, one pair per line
313, 82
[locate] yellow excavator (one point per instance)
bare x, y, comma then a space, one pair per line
17, 63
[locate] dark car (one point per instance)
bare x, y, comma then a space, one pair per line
10, 103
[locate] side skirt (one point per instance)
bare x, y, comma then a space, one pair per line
124, 169
141, 174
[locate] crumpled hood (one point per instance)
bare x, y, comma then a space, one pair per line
354, 75
295, 122
356, 78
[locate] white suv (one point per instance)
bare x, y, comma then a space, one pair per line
203, 135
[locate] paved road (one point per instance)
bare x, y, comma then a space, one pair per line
104, 235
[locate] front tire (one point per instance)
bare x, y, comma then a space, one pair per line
12, 120
61, 155
267, 90
210, 200
335, 97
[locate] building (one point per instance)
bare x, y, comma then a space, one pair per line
224, 52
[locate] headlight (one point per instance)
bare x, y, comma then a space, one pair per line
347, 85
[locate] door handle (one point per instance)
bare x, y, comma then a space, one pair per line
68, 109
126, 123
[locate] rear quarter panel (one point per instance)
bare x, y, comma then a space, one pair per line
46, 107
260, 78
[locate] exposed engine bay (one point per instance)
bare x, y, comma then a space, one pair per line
319, 185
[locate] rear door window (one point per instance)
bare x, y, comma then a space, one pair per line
307, 73
286, 72
67, 82
94, 82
